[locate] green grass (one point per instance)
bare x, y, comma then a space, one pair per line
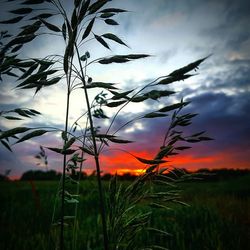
217, 218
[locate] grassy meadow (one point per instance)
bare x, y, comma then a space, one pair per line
217, 217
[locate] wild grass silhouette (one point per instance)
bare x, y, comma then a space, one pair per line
121, 220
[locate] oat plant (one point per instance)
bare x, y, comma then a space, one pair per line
86, 137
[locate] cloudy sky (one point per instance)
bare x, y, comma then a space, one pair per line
175, 33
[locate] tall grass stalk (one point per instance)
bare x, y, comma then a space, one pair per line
96, 156
64, 170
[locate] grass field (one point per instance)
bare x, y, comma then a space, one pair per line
217, 217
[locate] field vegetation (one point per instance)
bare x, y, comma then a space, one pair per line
216, 217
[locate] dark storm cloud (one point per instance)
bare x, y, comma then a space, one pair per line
238, 10
239, 75
225, 117
235, 77
226, 120
231, 31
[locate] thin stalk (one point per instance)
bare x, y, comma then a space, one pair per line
77, 190
98, 171
63, 179
61, 247
65, 161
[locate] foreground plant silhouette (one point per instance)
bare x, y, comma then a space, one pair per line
120, 223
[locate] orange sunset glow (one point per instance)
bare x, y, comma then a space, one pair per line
121, 163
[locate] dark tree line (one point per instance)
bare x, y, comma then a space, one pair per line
202, 174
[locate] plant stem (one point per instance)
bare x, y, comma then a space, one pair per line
63, 178
78, 189
98, 171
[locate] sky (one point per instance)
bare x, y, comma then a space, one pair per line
175, 33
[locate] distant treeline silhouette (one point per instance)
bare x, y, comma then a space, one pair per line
40, 175
202, 174
3, 178
53, 175
221, 174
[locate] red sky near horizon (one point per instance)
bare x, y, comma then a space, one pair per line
122, 163
181, 161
